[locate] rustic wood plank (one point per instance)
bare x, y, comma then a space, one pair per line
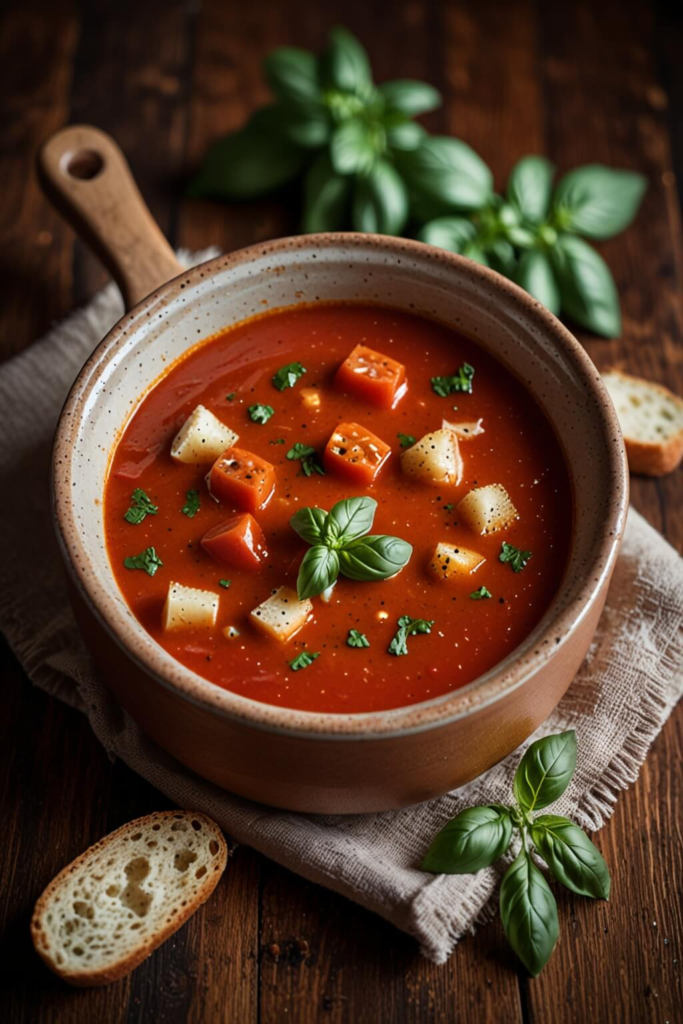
131, 78
35, 245
616, 961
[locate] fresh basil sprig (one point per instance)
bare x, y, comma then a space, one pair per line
340, 545
332, 124
366, 164
478, 836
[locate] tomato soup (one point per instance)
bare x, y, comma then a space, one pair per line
446, 565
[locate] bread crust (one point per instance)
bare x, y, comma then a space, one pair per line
89, 978
648, 457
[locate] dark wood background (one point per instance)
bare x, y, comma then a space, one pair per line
580, 82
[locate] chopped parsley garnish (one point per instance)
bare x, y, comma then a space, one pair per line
406, 439
479, 595
140, 506
449, 507
278, 440
356, 639
515, 556
287, 376
148, 560
230, 397
260, 413
408, 627
308, 458
460, 381
303, 660
192, 503
224, 583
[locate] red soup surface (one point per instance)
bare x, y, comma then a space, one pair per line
233, 371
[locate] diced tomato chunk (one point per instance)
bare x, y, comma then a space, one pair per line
238, 542
373, 376
355, 453
243, 479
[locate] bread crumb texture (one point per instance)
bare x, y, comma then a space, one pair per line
651, 419
112, 906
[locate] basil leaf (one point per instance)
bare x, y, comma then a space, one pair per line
260, 413
318, 571
249, 163
192, 504
502, 257
351, 148
287, 376
571, 856
411, 98
447, 172
545, 771
327, 196
380, 202
303, 660
452, 233
345, 64
535, 275
405, 135
353, 517
309, 523
307, 126
356, 639
407, 627
529, 187
374, 558
292, 74
147, 560
141, 506
597, 201
474, 839
529, 913
587, 289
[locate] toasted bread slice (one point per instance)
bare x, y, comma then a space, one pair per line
112, 906
651, 419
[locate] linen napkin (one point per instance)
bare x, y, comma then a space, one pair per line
618, 703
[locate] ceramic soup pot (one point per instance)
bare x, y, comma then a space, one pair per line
328, 763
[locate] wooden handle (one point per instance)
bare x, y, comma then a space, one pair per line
85, 175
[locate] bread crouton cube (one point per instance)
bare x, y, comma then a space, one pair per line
451, 561
435, 459
189, 608
202, 438
282, 614
487, 509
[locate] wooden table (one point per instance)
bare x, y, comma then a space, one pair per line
581, 82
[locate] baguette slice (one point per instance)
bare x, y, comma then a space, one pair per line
651, 419
112, 906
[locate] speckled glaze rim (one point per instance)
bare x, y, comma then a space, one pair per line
539, 648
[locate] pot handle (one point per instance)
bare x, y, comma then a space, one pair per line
87, 178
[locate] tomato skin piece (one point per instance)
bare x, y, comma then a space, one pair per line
238, 542
372, 376
242, 479
355, 454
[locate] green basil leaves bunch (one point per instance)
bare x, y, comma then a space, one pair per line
339, 545
478, 836
332, 123
535, 235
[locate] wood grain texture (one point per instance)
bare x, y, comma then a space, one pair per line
577, 81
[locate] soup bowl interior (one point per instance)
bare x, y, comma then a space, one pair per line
405, 275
